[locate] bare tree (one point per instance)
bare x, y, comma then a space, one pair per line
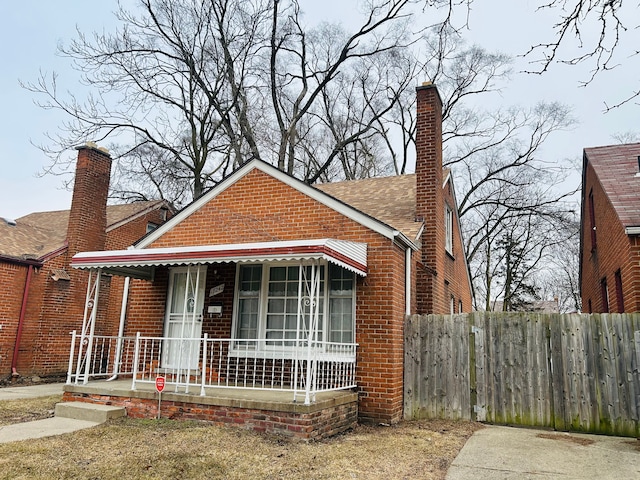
213, 84
598, 28
560, 277
511, 240
187, 91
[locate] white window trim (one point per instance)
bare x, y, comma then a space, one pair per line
448, 229
287, 352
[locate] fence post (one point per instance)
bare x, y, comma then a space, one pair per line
480, 406
471, 366
557, 369
636, 376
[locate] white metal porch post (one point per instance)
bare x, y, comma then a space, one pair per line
123, 311
89, 323
314, 307
299, 318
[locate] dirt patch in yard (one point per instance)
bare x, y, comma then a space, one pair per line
31, 380
565, 437
128, 448
27, 409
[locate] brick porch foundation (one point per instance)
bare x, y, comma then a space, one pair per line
331, 414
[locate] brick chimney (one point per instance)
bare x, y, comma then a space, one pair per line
429, 200
88, 216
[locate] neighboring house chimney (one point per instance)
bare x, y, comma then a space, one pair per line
429, 200
88, 216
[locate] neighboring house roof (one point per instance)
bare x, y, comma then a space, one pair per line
617, 168
37, 234
392, 200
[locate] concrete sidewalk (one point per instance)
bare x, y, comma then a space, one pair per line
499, 453
42, 428
31, 391
38, 428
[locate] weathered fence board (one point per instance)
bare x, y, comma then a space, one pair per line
437, 368
568, 372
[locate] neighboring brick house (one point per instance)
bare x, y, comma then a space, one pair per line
610, 229
264, 260
41, 298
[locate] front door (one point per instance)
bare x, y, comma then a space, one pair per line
183, 321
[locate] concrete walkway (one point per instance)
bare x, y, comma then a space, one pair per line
42, 428
500, 453
31, 391
38, 428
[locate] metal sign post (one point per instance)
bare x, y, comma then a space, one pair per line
159, 387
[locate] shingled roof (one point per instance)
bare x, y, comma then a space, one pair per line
617, 168
391, 200
37, 234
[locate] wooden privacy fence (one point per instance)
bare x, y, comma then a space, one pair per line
568, 372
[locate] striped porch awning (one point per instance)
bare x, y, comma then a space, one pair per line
139, 263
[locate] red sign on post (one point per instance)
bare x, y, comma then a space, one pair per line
159, 384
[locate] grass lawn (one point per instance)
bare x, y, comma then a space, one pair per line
28, 409
140, 449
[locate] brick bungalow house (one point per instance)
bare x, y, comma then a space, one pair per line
266, 285
41, 298
610, 229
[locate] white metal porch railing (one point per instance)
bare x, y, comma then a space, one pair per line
193, 365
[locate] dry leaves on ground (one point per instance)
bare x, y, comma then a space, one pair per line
27, 409
141, 449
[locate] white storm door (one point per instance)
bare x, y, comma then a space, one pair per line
183, 321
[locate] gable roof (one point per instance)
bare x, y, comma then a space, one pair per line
391, 200
334, 202
37, 234
617, 169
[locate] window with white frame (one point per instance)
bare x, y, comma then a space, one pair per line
448, 229
267, 304
282, 304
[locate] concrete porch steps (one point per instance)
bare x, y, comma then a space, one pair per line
90, 412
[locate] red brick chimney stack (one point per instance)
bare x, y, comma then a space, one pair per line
429, 200
88, 216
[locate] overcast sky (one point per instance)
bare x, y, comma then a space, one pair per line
32, 29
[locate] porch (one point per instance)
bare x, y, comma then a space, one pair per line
269, 411
295, 388
299, 368
288, 323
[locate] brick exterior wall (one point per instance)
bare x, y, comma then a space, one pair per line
13, 278
456, 284
615, 250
